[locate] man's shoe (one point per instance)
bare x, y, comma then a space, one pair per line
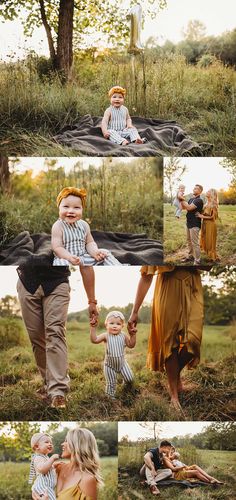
154, 490
58, 402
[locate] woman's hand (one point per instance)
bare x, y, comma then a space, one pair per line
132, 322
36, 496
200, 216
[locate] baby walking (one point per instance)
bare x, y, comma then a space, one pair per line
177, 200
72, 241
116, 341
116, 123
42, 470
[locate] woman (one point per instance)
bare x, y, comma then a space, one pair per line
79, 478
186, 472
209, 226
177, 322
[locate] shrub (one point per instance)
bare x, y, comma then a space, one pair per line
11, 333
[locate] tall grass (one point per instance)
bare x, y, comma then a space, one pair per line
201, 99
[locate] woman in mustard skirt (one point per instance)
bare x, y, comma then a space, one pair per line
79, 478
177, 321
209, 225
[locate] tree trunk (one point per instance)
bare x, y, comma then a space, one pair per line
64, 39
4, 175
48, 32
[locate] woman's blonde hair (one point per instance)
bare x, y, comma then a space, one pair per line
84, 451
213, 200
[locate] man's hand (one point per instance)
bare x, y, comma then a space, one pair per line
75, 260
153, 472
100, 255
93, 314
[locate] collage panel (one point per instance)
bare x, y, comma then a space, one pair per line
176, 460
27, 472
87, 211
177, 360
199, 211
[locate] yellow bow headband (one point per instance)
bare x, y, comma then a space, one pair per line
118, 90
67, 191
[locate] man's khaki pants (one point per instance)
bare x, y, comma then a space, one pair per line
193, 243
45, 320
160, 474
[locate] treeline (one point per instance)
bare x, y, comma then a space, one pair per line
217, 436
15, 438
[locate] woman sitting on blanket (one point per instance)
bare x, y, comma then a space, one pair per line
172, 462
72, 241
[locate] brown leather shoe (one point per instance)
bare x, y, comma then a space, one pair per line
58, 402
154, 490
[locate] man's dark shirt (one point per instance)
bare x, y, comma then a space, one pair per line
156, 458
47, 276
192, 220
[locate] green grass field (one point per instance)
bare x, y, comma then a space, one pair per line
175, 242
210, 399
201, 100
220, 464
14, 480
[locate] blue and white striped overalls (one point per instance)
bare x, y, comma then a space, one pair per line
117, 126
115, 362
43, 482
74, 240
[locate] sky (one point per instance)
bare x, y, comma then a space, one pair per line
205, 171
135, 430
218, 17
37, 163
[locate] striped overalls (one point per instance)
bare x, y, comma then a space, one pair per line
117, 126
43, 482
115, 362
74, 240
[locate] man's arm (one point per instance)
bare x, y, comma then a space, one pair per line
149, 463
88, 277
186, 206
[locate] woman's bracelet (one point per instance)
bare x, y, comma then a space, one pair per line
92, 301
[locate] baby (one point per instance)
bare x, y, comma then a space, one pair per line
72, 241
116, 341
42, 471
116, 123
177, 200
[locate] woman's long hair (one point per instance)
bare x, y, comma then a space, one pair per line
84, 451
213, 201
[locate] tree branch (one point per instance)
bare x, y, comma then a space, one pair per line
48, 31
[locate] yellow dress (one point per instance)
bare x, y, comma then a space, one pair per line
177, 314
72, 493
209, 233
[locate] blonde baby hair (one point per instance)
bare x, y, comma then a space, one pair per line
36, 438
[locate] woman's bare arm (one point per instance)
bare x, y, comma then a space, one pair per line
143, 287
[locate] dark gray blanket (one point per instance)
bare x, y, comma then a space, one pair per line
163, 137
133, 249
184, 484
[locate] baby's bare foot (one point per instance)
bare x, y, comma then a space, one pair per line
139, 141
125, 142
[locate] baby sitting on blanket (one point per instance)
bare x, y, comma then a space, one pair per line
116, 123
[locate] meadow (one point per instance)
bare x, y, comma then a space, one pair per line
220, 464
175, 241
14, 480
34, 105
210, 398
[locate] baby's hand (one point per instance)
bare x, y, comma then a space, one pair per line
75, 260
106, 135
100, 255
55, 456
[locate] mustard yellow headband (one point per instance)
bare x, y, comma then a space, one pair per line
67, 191
119, 90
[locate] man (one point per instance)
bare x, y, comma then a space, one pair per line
154, 469
44, 295
193, 206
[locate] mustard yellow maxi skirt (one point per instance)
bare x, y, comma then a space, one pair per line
209, 234
177, 315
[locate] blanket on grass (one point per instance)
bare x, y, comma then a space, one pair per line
35, 249
163, 137
183, 484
